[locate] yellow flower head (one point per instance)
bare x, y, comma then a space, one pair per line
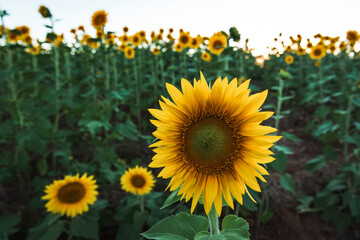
178, 47
12, 36
24, 30
318, 52
34, 50
194, 43
136, 40
99, 19
300, 51
44, 11
156, 51
352, 36
26, 39
289, 59
124, 38
210, 141
129, 52
184, 39
71, 196
205, 56
331, 47
122, 47
217, 43
317, 64
137, 180
142, 34
342, 46
81, 28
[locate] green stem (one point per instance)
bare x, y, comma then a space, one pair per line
142, 203
116, 75
107, 72
320, 78
213, 221
279, 102
68, 74
57, 88
137, 94
173, 79
347, 126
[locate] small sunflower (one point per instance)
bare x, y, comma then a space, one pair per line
352, 36
44, 11
142, 34
178, 47
205, 56
129, 52
217, 43
99, 19
289, 59
12, 36
24, 30
156, 51
26, 39
184, 39
124, 38
332, 47
137, 181
194, 43
136, 40
71, 196
300, 51
317, 64
210, 141
342, 46
125, 29
318, 52
122, 47
81, 28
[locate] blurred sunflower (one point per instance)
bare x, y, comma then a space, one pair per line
217, 43
44, 11
24, 30
156, 51
26, 39
99, 33
317, 64
289, 59
135, 40
342, 46
352, 36
210, 141
137, 181
300, 51
317, 52
205, 56
178, 47
81, 28
34, 50
129, 52
71, 196
124, 38
184, 39
332, 47
142, 34
12, 36
194, 43
99, 19
122, 47
125, 29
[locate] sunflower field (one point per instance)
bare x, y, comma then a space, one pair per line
137, 135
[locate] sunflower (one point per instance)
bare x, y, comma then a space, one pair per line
137, 181
24, 30
34, 50
142, 34
194, 43
342, 46
81, 28
210, 141
129, 52
300, 51
71, 196
136, 40
317, 64
122, 47
317, 52
289, 59
26, 39
332, 47
44, 11
124, 38
12, 36
205, 56
352, 36
98, 19
156, 51
184, 39
217, 43
178, 47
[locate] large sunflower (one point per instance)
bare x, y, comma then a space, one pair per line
210, 141
98, 19
318, 52
217, 43
137, 181
184, 39
71, 196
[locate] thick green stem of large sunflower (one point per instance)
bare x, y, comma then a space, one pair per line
213, 221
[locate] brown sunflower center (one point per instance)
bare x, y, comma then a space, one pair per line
218, 44
138, 181
184, 39
136, 39
71, 193
99, 20
317, 52
129, 52
209, 142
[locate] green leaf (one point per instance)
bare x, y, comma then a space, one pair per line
290, 136
42, 166
284, 149
217, 236
280, 162
315, 164
203, 235
82, 226
7, 225
172, 199
180, 227
50, 228
234, 227
287, 182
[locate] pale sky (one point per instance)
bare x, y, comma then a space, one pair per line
259, 20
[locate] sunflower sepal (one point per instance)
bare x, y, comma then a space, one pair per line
173, 198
